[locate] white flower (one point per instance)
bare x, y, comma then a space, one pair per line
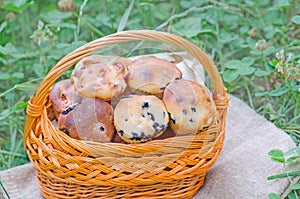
261, 45
280, 55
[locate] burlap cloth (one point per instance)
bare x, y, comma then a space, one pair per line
240, 172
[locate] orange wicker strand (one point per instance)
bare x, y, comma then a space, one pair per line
170, 168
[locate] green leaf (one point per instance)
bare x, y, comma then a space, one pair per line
244, 30
162, 12
278, 92
68, 25
38, 70
72, 46
292, 195
274, 17
264, 3
4, 76
246, 70
296, 19
56, 54
230, 75
4, 114
247, 61
270, 51
18, 75
9, 48
273, 63
250, 3
102, 19
3, 60
55, 17
190, 3
293, 85
270, 67
277, 155
281, 4
21, 105
226, 37
274, 196
3, 25
262, 73
190, 27
292, 159
295, 186
233, 64
16, 5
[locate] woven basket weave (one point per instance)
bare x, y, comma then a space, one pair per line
169, 168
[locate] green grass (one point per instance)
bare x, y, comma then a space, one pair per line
243, 38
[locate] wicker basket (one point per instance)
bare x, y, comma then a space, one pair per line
169, 168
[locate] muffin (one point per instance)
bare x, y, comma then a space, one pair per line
151, 75
139, 118
91, 120
63, 96
100, 76
190, 106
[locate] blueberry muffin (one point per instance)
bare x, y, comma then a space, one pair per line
63, 96
190, 106
139, 118
151, 75
100, 76
91, 120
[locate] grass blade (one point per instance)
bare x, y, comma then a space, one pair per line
283, 175
125, 16
76, 35
12, 153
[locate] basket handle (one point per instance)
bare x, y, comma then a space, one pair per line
37, 103
133, 35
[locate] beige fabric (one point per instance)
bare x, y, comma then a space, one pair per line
240, 172
243, 167
20, 183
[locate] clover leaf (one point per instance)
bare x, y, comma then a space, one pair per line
236, 68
